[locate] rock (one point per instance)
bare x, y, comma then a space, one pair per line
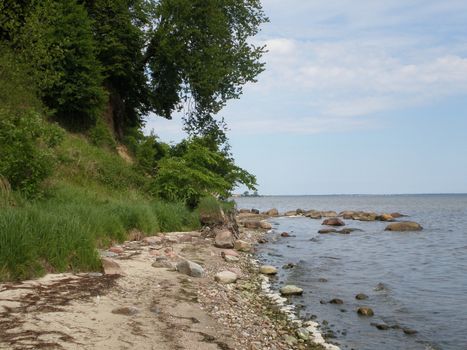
289, 266
126, 310
153, 240
231, 258
329, 214
116, 249
362, 216
300, 211
272, 212
290, 289
229, 252
365, 311
348, 230
285, 234
290, 213
242, 246
265, 225
190, 268
111, 267
313, 214
333, 222
397, 215
381, 326
361, 296
252, 224
347, 214
224, 239
268, 270
322, 280
262, 240
409, 331
404, 226
255, 211
336, 301
244, 211
385, 217
289, 340
327, 230
303, 333
163, 263
226, 277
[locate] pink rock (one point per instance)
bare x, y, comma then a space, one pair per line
116, 249
111, 267
185, 239
230, 252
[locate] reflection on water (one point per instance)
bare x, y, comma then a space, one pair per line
415, 280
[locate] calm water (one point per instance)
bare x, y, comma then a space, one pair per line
416, 279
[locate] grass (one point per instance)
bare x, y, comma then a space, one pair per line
93, 200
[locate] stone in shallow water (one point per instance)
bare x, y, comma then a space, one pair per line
409, 331
404, 226
361, 296
365, 311
291, 290
268, 270
336, 301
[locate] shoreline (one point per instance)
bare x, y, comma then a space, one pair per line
144, 303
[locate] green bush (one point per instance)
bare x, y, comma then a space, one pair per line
26, 139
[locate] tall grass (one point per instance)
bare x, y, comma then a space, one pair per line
62, 232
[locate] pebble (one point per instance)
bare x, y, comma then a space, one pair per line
126, 310
291, 290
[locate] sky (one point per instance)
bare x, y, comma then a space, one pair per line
358, 97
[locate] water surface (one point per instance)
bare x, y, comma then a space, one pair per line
413, 279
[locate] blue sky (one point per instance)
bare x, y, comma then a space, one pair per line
358, 96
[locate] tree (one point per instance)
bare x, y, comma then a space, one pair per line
119, 31
57, 40
199, 54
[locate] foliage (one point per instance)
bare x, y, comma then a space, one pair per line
199, 52
57, 40
193, 170
26, 139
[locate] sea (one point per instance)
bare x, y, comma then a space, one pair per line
414, 280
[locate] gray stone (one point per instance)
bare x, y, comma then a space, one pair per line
190, 268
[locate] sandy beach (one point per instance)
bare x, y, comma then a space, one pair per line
142, 302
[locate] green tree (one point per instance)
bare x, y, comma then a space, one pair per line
199, 54
57, 40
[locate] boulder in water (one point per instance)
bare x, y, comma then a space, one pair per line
271, 212
404, 226
291, 290
365, 311
333, 222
